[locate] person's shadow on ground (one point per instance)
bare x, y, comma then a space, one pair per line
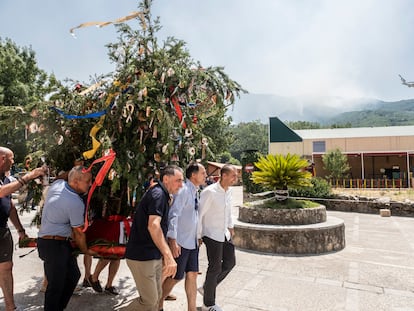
85, 299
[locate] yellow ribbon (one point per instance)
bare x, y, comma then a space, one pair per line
95, 129
95, 143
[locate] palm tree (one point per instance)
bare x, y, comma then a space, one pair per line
279, 172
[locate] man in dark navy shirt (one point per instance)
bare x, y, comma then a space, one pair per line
148, 255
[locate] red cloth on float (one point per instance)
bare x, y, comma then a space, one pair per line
108, 236
113, 229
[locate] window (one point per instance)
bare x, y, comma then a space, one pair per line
319, 146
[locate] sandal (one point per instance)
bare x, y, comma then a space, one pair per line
86, 283
95, 285
111, 290
171, 297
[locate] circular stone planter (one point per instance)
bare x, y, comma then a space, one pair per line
270, 216
299, 231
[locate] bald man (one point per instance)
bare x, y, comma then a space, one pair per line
63, 219
8, 211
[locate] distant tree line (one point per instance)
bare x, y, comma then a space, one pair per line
307, 125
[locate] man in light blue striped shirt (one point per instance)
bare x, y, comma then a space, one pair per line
182, 234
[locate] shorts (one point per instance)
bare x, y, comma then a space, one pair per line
6, 245
186, 262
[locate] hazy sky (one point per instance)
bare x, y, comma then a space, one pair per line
353, 48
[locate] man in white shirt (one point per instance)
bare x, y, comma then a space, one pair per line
216, 230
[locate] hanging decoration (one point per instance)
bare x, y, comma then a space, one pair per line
157, 111
132, 15
109, 158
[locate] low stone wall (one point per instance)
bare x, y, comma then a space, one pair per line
270, 216
369, 205
288, 231
305, 239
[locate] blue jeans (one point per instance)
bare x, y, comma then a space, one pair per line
62, 272
221, 260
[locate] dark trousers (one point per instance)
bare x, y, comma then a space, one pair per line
62, 272
221, 260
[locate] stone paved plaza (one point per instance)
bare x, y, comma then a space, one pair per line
374, 272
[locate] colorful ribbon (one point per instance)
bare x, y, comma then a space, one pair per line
108, 159
178, 111
95, 143
86, 116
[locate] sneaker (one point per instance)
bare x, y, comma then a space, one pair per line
95, 285
211, 308
111, 290
201, 290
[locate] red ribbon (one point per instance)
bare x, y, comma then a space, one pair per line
109, 159
178, 111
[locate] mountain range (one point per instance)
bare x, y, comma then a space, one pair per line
324, 110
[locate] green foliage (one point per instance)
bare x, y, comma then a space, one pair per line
217, 128
162, 106
22, 84
381, 114
397, 113
302, 125
281, 172
249, 136
21, 81
320, 189
336, 164
340, 125
226, 157
250, 157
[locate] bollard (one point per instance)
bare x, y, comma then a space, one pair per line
385, 212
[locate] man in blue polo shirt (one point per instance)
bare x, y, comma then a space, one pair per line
63, 219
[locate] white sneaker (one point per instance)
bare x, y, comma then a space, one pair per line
211, 308
201, 291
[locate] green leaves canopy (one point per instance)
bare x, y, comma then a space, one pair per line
336, 164
279, 172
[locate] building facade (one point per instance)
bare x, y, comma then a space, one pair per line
379, 157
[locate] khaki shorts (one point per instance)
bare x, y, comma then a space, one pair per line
6, 245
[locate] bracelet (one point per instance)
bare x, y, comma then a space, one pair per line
21, 181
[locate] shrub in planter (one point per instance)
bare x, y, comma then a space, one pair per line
320, 189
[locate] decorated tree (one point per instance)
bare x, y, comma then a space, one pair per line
157, 108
